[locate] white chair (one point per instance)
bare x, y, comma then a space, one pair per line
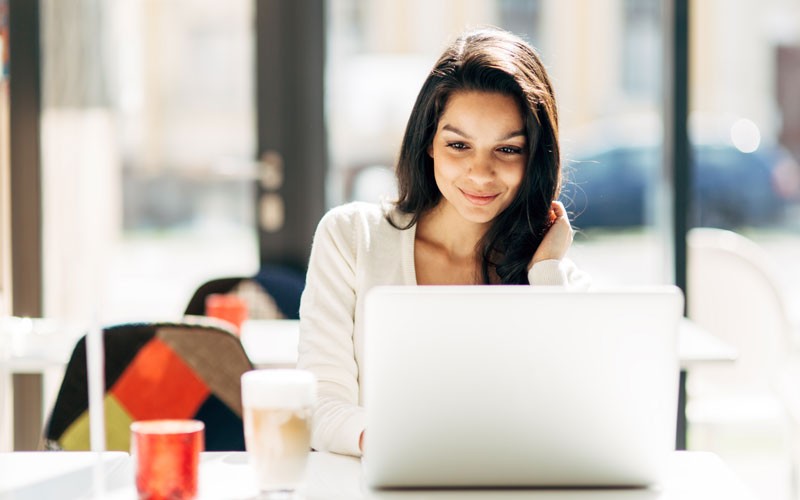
731, 294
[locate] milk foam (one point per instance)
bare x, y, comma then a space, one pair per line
278, 389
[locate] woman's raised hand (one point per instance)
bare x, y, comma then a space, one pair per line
558, 238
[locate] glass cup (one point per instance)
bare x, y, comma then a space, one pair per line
277, 427
166, 454
228, 307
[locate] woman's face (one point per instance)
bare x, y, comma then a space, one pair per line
479, 154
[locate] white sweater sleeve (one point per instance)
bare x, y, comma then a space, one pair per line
558, 273
326, 347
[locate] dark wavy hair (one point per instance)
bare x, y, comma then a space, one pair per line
489, 60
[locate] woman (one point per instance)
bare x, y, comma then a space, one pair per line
478, 173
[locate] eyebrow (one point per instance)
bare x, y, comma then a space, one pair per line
460, 132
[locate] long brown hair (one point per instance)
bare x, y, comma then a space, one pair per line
489, 60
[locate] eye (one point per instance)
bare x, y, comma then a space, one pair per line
458, 146
510, 150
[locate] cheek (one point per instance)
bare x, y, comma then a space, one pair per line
513, 177
438, 174
445, 169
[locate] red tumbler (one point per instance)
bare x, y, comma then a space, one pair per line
166, 454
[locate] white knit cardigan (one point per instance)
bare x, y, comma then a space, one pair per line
355, 248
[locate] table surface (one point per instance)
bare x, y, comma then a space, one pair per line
35, 475
33, 345
696, 345
273, 343
49, 474
268, 344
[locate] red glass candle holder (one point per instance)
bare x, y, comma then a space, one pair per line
166, 454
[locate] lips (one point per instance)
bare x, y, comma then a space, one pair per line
479, 199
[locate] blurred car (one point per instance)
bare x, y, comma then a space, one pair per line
617, 184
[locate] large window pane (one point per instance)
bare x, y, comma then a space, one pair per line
148, 135
745, 118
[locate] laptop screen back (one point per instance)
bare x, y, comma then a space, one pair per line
519, 386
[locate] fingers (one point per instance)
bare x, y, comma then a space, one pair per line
558, 208
559, 213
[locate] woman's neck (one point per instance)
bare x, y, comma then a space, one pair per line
444, 228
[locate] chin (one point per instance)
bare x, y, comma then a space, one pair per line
479, 216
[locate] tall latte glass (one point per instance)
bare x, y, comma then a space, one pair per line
277, 427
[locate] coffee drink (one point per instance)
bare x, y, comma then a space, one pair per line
277, 425
278, 441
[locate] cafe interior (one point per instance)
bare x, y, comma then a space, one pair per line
164, 164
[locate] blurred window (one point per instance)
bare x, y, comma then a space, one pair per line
745, 60
641, 64
522, 17
148, 136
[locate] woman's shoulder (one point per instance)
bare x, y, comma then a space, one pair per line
353, 210
371, 216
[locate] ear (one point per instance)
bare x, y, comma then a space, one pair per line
430, 150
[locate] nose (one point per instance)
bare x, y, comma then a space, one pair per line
481, 170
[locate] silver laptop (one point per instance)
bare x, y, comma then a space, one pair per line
519, 386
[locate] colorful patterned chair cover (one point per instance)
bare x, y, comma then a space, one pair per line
155, 371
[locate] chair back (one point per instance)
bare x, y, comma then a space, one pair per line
273, 293
155, 371
197, 304
732, 294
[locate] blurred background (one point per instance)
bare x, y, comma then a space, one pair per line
183, 140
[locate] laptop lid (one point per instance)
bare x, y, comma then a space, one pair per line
519, 385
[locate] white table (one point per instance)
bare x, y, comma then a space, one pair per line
36, 475
273, 344
29, 348
696, 345
268, 344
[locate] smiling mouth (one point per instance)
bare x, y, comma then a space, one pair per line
479, 199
